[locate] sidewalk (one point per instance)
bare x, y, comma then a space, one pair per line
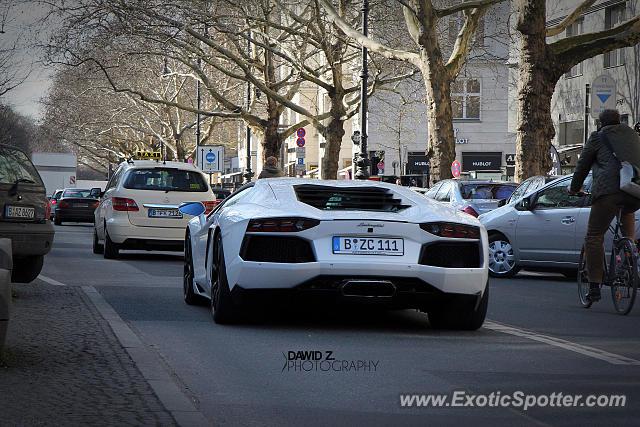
63, 366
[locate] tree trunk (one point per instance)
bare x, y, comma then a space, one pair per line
441, 147
535, 89
180, 154
333, 137
272, 142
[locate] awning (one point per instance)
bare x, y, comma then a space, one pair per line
231, 175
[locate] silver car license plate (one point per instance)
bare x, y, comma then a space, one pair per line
20, 212
165, 213
368, 245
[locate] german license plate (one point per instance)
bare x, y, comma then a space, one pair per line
81, 205
19, 212
165, 213
368, 245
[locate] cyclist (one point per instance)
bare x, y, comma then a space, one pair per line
605, 190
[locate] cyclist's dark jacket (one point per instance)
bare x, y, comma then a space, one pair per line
606, 171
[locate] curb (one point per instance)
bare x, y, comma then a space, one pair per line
149, 364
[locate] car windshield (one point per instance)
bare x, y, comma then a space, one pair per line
15, 167
165, 179
487, 191
78, 194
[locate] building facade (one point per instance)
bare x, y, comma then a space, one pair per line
485, 146
621, 67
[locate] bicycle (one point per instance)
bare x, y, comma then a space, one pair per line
621, 274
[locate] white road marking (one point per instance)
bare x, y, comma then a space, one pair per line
614, 359
50, 281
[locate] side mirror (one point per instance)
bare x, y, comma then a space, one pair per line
96, 192
192, 208
525, 204
502, 202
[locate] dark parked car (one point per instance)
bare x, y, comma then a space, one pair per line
76, 205
54, 202
25, 213
221, 194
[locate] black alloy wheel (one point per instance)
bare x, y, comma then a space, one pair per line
190, 296
223, 308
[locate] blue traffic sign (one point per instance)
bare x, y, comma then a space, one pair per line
211, 157
301, 132
603, 95
300, 142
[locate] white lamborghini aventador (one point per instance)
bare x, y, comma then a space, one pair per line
337, 241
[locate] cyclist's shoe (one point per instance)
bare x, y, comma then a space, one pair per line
594, 294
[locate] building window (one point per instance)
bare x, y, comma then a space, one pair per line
465, 99
456, 21
575, 29
613, 16
571, 133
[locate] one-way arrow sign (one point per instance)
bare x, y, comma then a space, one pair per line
603, 95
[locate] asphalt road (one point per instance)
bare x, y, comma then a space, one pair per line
537, 340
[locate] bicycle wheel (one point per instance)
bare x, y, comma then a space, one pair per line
583, 280
625, 283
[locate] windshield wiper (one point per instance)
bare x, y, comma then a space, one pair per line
14, 189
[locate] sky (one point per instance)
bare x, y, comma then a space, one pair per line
19, 27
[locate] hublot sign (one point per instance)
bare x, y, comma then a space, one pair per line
481, 161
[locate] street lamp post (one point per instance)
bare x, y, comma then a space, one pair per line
248, 174
198, 113
362, 159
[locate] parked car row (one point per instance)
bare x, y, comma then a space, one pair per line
536, 226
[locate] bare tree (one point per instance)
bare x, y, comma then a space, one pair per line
16, 129
438, 72
14, 69
83, 110
541, 66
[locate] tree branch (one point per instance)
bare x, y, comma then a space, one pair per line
573, 50
466, 6
461, 47
374, 46
570, 19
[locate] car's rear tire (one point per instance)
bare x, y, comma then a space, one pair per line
98, 248
26, 269
461, 315
111, 250
501, 257
57, 220
190, 297
223, 309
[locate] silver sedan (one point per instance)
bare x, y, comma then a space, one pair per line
543, 230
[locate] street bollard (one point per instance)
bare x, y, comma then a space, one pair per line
6, 264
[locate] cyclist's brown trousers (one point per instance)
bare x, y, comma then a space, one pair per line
603, 210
